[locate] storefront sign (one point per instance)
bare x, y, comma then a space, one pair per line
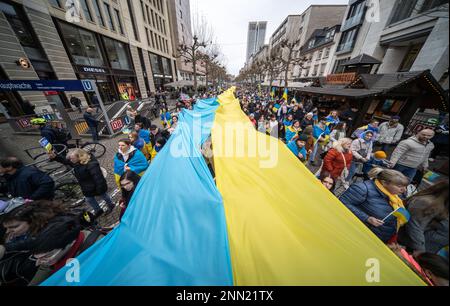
24, 123
41, 85
117, 124
340, 79
92, 70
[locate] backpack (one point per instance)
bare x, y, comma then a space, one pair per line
62, 135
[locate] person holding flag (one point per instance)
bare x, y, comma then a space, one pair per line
272, 93
377, 203
285, 95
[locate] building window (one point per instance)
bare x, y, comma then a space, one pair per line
356, 9
82, 45
55, 3
403, 10
119, 21
348, 40
118, 54
98, 12
431, 4
86, 11
327, 52
148, 15
110, 20
153, 18
153, 39
133, 20
410, 58
338, 68
148, 37
143, 11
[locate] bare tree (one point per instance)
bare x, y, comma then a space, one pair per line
288, 58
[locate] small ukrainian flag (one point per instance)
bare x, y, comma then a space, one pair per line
285, 94
402, 215
272, 93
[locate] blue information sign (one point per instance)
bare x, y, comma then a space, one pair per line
43, 85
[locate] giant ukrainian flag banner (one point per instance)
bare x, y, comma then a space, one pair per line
266, 221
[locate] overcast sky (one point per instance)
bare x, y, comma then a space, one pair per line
229, 20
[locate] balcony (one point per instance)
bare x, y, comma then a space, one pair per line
354, 21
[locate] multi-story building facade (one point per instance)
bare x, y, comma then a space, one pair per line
318, 51
181, 27
124, 45
255, 37
299, 28
403, 36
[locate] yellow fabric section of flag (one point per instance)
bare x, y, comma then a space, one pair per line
284, 227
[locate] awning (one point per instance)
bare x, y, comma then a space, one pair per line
341, 92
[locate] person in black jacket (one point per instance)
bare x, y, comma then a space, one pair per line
90, 177
156, 133
25, 181
23, 224
92, 122
144, 120
76, 102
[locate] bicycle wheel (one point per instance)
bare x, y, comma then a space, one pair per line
96, 149
68, 192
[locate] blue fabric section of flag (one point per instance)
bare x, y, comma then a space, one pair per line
174, 231
402, 214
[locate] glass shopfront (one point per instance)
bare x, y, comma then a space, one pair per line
162, 70
105, 60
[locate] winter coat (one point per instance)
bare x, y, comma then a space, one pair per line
334, 163
359, 145
411, 153
30, 183
390, 135
427, 230
306, 122
296, 150
366, 200
89, 176
90, 120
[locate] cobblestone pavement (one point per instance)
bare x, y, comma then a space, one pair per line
14, 145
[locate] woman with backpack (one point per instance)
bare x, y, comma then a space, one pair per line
90, 177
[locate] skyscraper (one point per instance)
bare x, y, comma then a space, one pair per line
255, 37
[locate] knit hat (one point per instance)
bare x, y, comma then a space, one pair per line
380, 155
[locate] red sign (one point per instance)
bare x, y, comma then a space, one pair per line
341, 79
24, 123
117, 124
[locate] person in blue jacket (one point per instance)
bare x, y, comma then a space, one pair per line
128, 158
333, 119
144, 134
369, 203
298, 147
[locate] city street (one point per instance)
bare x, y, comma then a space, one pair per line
258, 143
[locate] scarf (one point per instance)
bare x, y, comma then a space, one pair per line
394, 201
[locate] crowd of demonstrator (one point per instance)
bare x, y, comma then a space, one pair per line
38, 235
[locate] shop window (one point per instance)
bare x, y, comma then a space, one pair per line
118, 54
156, 64
410, 57
82, 45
